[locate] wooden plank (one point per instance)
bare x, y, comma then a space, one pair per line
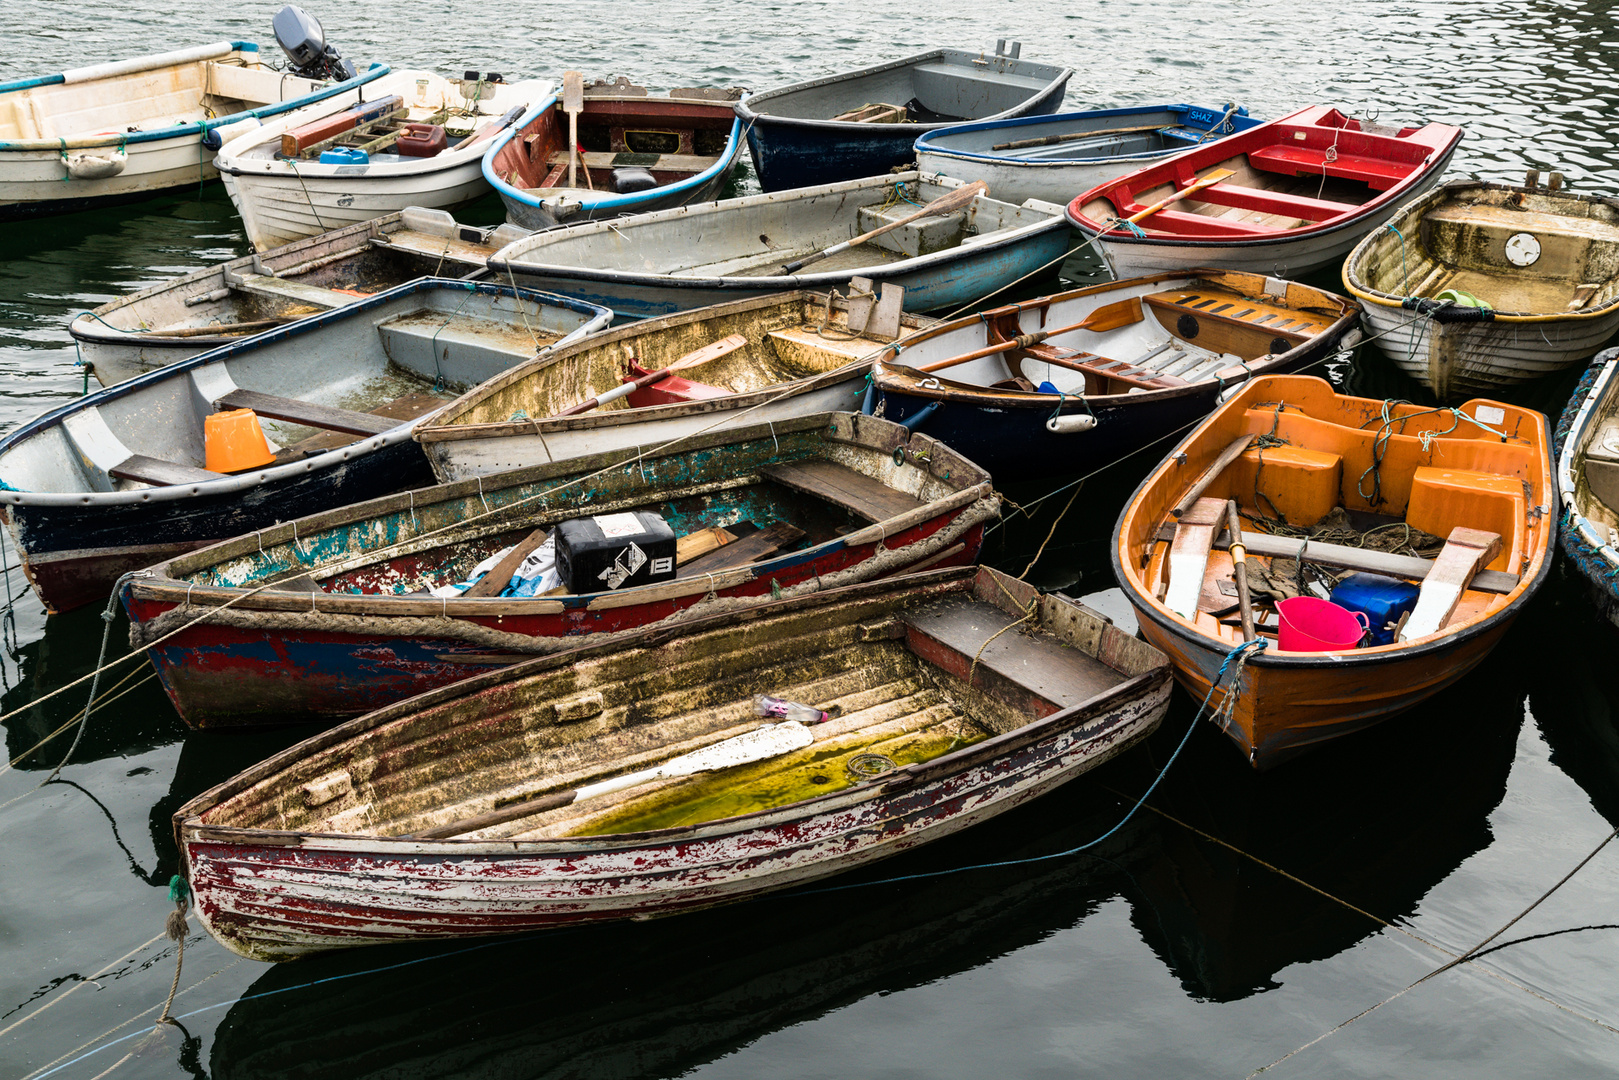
842, 486
1102, 366
695, 545
691, 163
495, 582
1037, 662
150, 470
1352, 558
306, 413
404, 407
1465, 551
749, 549
1194, 494
1189, 555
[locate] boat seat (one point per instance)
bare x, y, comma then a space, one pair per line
159, 473
1272, 202
1224, 322
1186, 223
943, 80
953, 634
1297, 483
478, 349
406, 407
1445, 499
1602, 464
306, 413
282, 289
749, 549
1379, 174
607, 162
1104, 367
805, 350
843, 486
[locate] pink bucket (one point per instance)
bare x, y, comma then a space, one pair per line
1312, 625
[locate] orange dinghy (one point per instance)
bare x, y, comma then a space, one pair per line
1429, 527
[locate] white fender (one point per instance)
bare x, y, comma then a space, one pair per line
1068, 425
95, 166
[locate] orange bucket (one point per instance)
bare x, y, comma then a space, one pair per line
233, 441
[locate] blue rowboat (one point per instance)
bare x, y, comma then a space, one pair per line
1055, 157
672, 260
1158, 354
118, 479
127, 130
641, 153
860, 123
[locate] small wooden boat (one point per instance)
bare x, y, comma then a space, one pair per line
474, 805
229, 301
418, 141
672, 260
1347, 482
639, 152
360, 607
121, 478
1478, 286
799, 355
1052, 157
127, 130
1284, 198
1588, 480
862, 123
1150, 356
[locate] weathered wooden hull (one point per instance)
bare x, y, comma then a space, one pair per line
794, 143
134, 126
800, 358
77, 525
279, 895
274, 657
282, 200
1244, 223
125, 338
1542, 313
1588, 531
1288, 701
1007, 432
1054, 173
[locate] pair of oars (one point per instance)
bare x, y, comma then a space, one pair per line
1107, 317
708, 352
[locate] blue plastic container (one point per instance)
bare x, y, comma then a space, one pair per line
344, 155
1381, 599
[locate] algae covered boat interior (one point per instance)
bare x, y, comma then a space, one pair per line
904, 670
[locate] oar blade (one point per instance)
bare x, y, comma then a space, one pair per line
768, 741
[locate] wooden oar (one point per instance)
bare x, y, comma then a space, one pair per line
218, 328
771, 740
1239, 569
1053, 140
1107, 317
699, 356
573, 100
944, 204
1196, 185
1195, 492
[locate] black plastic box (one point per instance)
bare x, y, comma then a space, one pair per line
615, 551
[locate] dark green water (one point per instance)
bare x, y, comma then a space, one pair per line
1237, 920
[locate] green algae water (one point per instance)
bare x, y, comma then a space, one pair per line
1234, 920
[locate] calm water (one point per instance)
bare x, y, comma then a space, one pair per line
1179, 948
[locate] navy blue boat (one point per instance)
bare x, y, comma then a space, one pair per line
865, 122
142, 471
1070, 382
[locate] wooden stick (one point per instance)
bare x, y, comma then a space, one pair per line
1227, 456
1239, 564
1108, 317
573, 100
944, 204
221, 328
1053, 140
1196, 185
708, 352
495, 581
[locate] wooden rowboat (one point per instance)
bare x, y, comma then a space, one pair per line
640, 152
1153, 356
941, 721
673, 260
1588, 481
1052, 157
353, 609
1477, 286
127, 130
418, 140
799, 356
119, 479
229, 301
1476, 479
862, 123
1284, 198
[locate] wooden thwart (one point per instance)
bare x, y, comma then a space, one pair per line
306, 413
150, 470
1465, 551
842, 486
749, 549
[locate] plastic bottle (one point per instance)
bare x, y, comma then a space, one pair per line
765, 705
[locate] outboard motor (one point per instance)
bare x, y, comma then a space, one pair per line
301, 38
